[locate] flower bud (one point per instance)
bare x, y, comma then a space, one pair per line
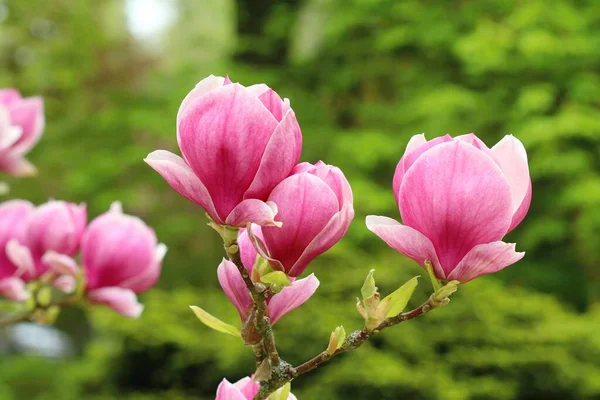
245, 389
13, 217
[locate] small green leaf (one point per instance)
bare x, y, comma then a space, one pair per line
276, 277
282, 393
368, 288
340, 335
399, 299
434, 280
215, 323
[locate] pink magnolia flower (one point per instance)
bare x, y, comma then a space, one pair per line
315, 208
244, 389
21, 126
237, 143
457, 199
13, 217
121, 258
290, 298
52, 230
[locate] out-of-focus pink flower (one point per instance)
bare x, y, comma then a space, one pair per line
237, 144
458, 199
315, 208
244, 389
121, 258
21, 126
13, 218
55, 227
290, 298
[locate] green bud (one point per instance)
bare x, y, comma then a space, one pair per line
276, 278
44, 296
282, 393
441, 296
336, 339
368, 288
434, 280
215, 323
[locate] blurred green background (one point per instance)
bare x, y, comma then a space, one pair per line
363, 76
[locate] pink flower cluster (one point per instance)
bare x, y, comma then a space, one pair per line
21, 126
244, 389
120, 256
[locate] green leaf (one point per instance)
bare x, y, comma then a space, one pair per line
434, 280
276, 277
215, 323
368, 288
340, 335
399, 299
282, 393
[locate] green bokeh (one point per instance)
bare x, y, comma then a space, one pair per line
363, 76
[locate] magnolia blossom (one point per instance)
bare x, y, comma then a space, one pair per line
315, 208
52, 230
237, 144
121, 258
21, 126
13, 217
458, 199
290, 298
244, 389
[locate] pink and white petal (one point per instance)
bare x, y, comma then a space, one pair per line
17, 166
13, 288
180, 177
60, 263
149, 276
292, 297
9, 134
274, 104
65, 283
9, 96
248, 387
407, 241
458, 197
20, 256
261, 249
123, 301
511, 156
335, 230
234, 287
29, 115
306, 205
473, 140
223, 136
485, 259
521, 212
302, 167
258, 89
280, 156
228, 391
253, 211
204, 86
414, 142
248, 252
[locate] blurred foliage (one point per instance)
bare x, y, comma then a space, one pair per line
362, 76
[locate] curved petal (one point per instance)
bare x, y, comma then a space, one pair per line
253, 211
511, 156
280, 156
207, 84
65, 283
13, 288
414, 142
17, 166
335, 230
521, 212
458, 197
180, 177
223, 136
60, 263
234, 287
306, 204
149, 276
274, 104
248, 252
29, 115
248, 387
123, 301
485, 259
292, 297
473, 140
20, 256
227, 391
407, 241
9, 96
334, 177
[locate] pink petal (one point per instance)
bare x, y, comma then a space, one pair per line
60, 263
9, 133
248, 252
20, 256
415, 148
17, 166
292, 297
253, 211
280, 156
407, 241
123, 301
13, 217
248, 387
29, 115
511, 156
204, 86
473, 140
274, 104
65, 283
335, 230
485, 259
227, 391
458, 197
334, 177
9, 96
147, 277
13, 288
180, 177
306, 205
223, 136
258, 89
234, 287
227, 80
